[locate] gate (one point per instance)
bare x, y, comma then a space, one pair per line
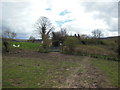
54, 49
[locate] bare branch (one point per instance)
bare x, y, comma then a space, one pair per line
44, 26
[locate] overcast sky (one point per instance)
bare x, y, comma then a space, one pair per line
75, 15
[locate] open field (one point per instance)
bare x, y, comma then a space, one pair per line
26, 45
59, 44
49, 70
25, 67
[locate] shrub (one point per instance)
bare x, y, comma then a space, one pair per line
42, 50
46, 42
92, 49
92, 41
70, 44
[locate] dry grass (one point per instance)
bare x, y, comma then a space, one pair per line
91, 49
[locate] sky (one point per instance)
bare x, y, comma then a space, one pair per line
77, 16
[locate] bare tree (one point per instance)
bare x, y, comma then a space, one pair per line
59, 37
32, 39
9, 34
97, 33
13, 35
84, 36
77, 36
44, 27
63, 32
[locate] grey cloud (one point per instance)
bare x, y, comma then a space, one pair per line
12, 9
110, 8
107, 11
15, 17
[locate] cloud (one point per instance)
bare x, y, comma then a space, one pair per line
69, 20
64, 12
60, 23
107, 11
48, 9
16, 17
76, 16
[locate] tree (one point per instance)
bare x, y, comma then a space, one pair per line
43, 48
97, 33
44, 27
84, 36
32, 39
78, 36
46, 42
70, 44
63, 34
9, 34
58, 37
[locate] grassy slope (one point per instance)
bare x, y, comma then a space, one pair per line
96, 49
108, 48
110, 68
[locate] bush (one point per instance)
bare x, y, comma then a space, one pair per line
42, 49
70, 44
92, 49
92, 42
46, 42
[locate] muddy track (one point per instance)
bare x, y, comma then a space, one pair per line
89, 77
71, 79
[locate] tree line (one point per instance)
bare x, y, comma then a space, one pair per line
46, 30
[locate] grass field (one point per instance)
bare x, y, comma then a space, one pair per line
25, 67
34, 73
26, 45
54, 70
110, 68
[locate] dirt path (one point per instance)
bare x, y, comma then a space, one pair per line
89, 77
84, 76
71, 79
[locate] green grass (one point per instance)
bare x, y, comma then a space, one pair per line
26, 45
34, 73
110, 68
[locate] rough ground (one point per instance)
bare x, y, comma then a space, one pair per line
88, 77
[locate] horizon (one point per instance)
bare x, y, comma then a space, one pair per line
50, 38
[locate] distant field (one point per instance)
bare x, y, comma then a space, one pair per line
26, 45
